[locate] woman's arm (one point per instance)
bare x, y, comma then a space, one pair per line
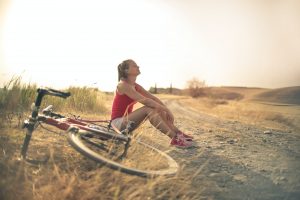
147, 94
146, 100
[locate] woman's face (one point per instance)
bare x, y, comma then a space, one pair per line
133, 69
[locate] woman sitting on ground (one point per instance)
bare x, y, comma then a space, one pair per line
128, 92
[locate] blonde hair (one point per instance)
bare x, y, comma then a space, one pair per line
123, 69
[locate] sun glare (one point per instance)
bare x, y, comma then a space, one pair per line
60, 43
64, 43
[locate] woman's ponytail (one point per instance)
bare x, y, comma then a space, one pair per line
123, 69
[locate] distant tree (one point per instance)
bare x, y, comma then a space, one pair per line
196, 87
153, 89
171, 88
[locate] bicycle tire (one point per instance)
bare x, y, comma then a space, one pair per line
79, 143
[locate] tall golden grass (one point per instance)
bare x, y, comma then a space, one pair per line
69, 175
16, 99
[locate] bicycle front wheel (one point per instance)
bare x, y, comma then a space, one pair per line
141, 159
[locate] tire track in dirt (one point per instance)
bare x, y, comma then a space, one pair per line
237, 160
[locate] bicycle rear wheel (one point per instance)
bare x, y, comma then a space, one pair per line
141, 159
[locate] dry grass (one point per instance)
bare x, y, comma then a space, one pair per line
68, 175
17, 97
249, 112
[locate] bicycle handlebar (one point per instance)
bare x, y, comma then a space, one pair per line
52, 92
46, 91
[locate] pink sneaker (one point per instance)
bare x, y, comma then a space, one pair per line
187, 137
180, 142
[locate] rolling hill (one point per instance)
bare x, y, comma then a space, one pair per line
287, 95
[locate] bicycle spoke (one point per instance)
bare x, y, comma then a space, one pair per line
95, 143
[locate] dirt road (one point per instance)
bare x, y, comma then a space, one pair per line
233, 160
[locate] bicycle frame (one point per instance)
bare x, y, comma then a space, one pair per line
65, 123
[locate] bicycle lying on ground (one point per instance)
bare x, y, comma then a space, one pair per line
99, 142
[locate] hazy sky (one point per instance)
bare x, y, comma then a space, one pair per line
58, 43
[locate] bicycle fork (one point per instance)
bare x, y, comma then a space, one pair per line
127, 131
124, 154
29, 125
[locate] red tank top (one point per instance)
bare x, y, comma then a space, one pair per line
122, 105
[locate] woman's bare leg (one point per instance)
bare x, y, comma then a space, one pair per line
170, 124
155, 118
